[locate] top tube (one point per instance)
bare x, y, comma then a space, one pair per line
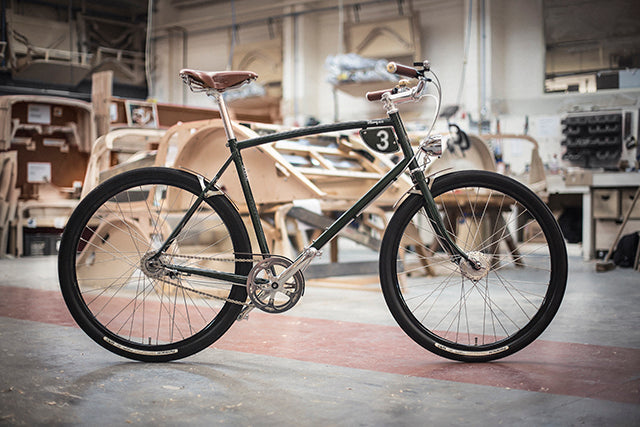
312, 130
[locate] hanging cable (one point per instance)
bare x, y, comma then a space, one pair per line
233, 35
340, 27
71, 58
438, 99
147, 49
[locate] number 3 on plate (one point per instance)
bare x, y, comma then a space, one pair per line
380, 139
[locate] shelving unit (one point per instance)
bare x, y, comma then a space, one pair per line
593, 139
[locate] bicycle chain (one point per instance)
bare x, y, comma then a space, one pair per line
212, 259
223, 259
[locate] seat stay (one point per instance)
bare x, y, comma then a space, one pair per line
206, 192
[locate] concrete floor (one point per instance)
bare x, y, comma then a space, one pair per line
335, 359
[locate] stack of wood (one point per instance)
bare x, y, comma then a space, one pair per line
8, 196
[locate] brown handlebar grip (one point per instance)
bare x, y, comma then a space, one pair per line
402, 70
377, 95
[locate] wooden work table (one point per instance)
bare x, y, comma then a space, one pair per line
600, 180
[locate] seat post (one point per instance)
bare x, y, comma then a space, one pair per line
224, 113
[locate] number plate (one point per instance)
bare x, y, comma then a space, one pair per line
380, 139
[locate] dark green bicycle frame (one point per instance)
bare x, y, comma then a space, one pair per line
237, 146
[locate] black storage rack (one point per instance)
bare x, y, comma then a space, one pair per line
593, 139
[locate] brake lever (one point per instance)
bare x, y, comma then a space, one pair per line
418, 89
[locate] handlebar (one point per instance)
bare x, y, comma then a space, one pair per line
401, 70
377, 95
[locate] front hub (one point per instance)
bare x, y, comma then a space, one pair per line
476, 267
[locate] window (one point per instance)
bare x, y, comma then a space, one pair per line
591, 45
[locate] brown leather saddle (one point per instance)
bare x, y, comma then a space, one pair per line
217, 80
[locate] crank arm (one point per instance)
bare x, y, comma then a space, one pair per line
300, 264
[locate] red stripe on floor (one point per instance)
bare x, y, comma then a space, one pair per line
600, 372
36, 305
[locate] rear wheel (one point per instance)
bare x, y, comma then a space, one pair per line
461, 312
129, 301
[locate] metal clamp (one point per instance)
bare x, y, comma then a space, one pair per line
432, 146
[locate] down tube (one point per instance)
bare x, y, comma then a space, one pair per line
360, 205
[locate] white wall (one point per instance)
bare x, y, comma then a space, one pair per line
515, 62
442, 28
518, 64
518, 57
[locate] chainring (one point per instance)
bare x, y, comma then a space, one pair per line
264, 290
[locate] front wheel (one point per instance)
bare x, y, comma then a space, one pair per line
134, 301
466, 313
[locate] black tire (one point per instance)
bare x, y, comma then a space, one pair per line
451, 310
145, 313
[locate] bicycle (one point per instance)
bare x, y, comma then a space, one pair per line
156, 264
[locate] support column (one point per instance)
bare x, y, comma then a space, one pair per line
299, 68
477, 89
101, 84
289, 69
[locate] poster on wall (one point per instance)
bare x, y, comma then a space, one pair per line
142, 114
38, 172
39, 114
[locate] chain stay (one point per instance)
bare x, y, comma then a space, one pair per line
221, 259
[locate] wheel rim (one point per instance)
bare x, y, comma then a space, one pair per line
133, 298
468, 310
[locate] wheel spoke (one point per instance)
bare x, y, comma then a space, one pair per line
123, 287
500, 225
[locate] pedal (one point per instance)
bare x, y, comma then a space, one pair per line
244, 313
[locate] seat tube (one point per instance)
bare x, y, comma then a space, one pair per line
248, 195
224, 115
241, 171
